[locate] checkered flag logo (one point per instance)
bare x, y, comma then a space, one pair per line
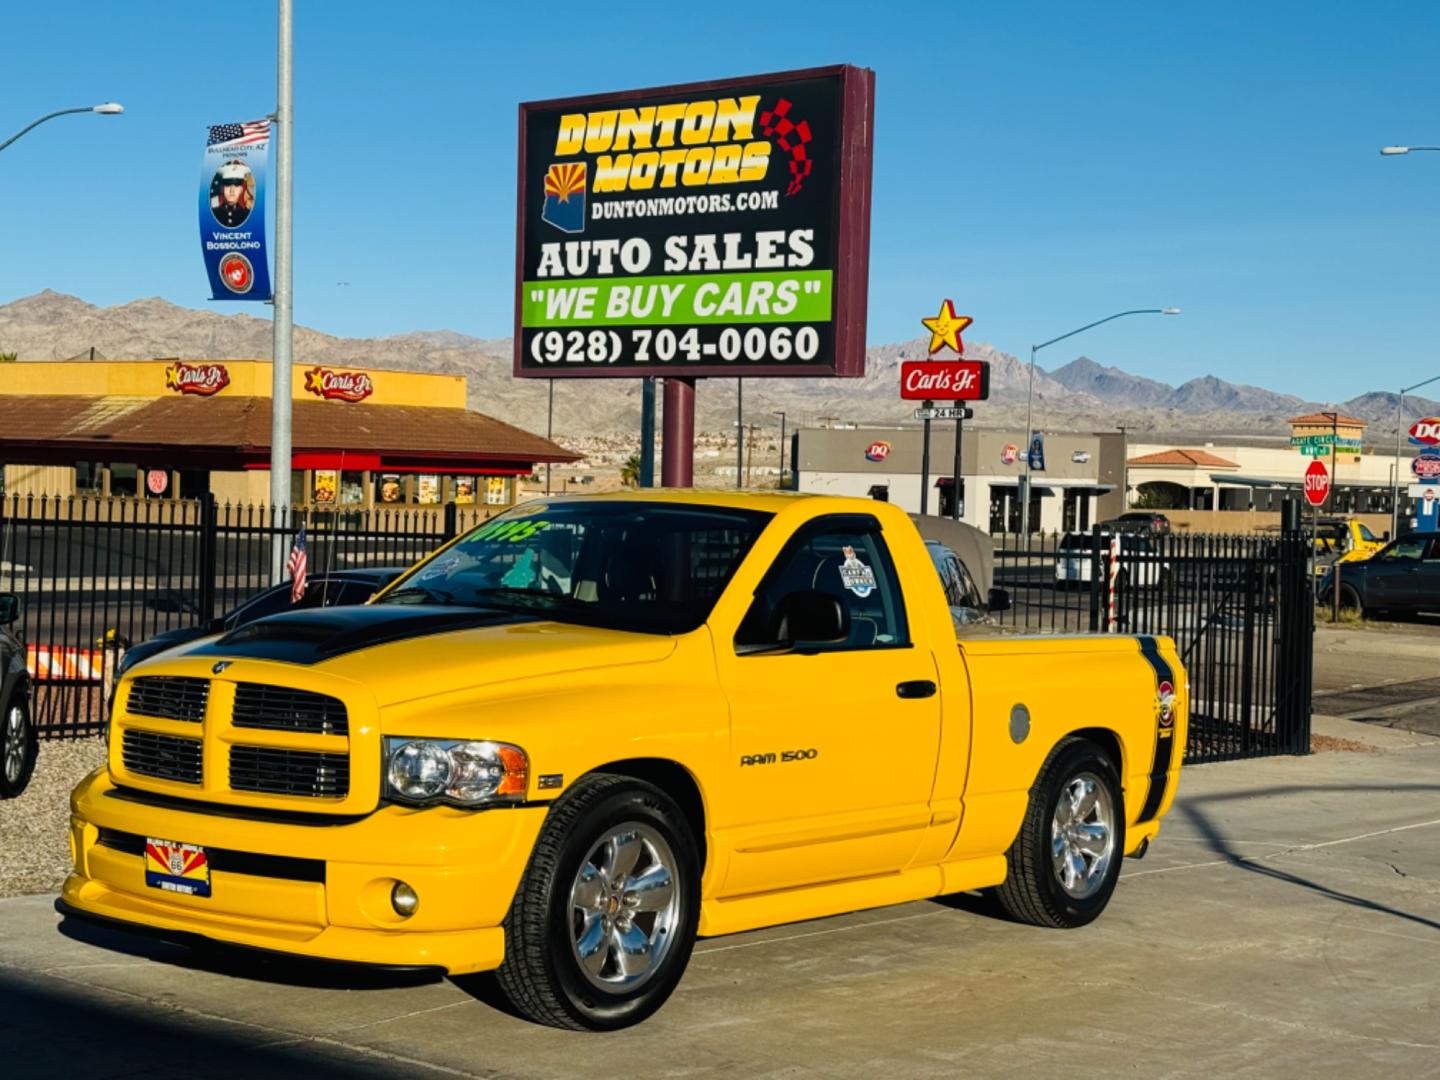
792, 138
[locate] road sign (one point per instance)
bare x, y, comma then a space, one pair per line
1314, 451
1317, 482
946, 412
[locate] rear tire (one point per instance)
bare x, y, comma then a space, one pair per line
604, 921
1064, 864
19, 745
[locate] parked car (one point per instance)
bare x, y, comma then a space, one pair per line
335, 589
1143, 520
19, 743
1346, 540
1141, 563
594, 728
1404, 575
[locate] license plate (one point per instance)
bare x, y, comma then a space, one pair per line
175, 867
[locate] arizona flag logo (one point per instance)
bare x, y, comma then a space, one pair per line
565, 197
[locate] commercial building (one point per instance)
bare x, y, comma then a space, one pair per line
172, 429
1236, 485
1079, 485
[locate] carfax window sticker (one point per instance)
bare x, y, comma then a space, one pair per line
855, 575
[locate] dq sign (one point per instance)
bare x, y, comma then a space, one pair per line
877, 451
1426, 432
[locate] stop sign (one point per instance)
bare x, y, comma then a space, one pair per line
1317, 482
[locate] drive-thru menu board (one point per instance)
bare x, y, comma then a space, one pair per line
712, 229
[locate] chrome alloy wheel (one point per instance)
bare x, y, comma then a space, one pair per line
16, 740
624, 906
1082, 837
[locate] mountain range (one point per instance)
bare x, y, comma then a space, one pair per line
1081, 395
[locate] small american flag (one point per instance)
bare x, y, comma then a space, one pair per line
251, 131
296, 564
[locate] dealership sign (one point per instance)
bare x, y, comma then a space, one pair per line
717, 228
944, 380
202, 379
1426, 432
339, 385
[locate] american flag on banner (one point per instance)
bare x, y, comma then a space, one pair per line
251, 131
296, 564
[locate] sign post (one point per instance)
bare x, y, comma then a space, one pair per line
709, 229
925, 459
946, 380
1317, 490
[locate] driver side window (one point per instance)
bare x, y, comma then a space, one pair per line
844, 557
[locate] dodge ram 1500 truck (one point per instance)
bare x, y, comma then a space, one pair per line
593, 728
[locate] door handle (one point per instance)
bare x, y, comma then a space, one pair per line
916, 688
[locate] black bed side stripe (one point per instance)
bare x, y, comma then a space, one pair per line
1164, 734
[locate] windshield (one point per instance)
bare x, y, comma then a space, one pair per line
641, 566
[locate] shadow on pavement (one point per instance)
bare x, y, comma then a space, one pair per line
1216, 840
200, 955
48, 1031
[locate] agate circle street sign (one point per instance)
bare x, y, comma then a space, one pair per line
1317, 483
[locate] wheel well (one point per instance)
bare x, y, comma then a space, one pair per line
673, 779
1108, 741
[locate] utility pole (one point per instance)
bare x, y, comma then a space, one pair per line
781, 483
957, 484
739, 430
280, 388
647, 432
550, 429
749, 451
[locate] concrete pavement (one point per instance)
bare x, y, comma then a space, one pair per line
1287, 922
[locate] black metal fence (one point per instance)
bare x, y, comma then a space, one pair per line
93, 574
1240, 609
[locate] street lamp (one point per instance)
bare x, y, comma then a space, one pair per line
1030, 398
1399, 427
1395, 151
108, 108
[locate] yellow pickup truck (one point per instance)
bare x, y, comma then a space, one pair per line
594, 728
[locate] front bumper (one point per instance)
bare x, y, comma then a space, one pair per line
312, 890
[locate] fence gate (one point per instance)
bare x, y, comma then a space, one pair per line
95, 574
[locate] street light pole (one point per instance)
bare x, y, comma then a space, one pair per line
1030, 397
280, 386
109, 108
1399, 427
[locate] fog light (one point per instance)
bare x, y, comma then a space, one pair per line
404, 900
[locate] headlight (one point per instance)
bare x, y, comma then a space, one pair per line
459, 771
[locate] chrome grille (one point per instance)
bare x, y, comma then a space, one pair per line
274, 771
169, 697
165, 757
279, 708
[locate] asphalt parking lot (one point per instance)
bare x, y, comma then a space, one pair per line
1286, 923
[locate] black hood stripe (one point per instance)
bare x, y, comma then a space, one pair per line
310, 637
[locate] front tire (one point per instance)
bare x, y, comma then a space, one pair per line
19, 745
603, 923
1064, 864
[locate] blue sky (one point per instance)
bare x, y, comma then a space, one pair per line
1045, 164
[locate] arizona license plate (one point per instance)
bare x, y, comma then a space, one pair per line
181, 868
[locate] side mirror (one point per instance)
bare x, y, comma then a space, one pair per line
810, 617
215, 625
9, 608
1385, 536
999, 600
